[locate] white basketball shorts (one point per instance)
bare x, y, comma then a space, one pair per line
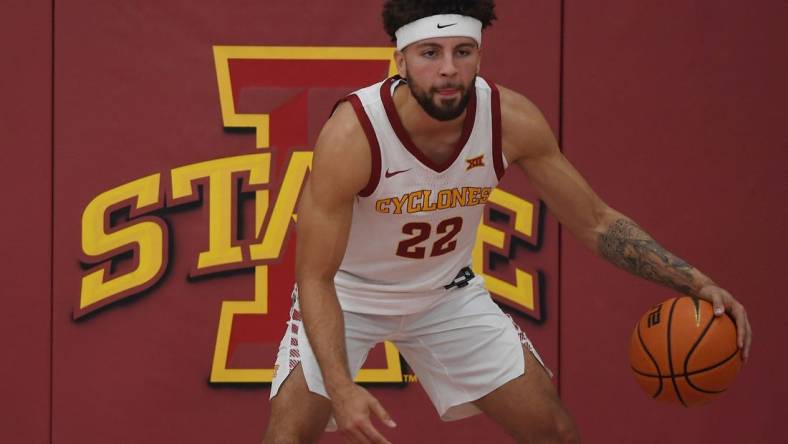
461, 349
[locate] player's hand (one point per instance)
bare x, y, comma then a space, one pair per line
352, 406
722, 302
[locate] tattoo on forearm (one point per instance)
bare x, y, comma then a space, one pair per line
626, 245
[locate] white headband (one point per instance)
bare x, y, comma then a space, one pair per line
443, 25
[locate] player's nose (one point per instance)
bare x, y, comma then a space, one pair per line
448, 66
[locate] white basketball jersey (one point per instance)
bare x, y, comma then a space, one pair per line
414, 225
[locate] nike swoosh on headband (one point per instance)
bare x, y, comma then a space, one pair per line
445, 26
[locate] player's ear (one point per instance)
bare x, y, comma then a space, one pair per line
479, 62
399, 59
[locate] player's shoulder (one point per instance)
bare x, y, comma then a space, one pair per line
516, 106
342, 139
525, 132
343, 131
342, 150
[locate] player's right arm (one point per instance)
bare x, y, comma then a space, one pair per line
340, 169
529, 143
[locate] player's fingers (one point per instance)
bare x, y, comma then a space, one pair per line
373, 435
355, 435
748, 340
737, 310
382, 414
353, 431
716, 302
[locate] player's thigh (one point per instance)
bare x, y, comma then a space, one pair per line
528, 407
297, 415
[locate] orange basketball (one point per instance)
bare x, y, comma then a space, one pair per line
681, 353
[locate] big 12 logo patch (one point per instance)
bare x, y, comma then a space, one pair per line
282, 82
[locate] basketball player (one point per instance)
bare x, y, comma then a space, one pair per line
386, 227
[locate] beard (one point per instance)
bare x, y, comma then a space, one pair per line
444, 109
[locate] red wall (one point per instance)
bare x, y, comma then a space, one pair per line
670, 110
675, 112
26, 194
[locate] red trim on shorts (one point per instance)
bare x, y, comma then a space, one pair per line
497, 147
374, 146
407, 142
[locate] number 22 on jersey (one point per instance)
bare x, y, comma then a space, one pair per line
421, 231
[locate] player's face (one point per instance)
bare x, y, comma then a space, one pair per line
440, 74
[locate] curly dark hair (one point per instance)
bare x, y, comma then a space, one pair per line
397, 13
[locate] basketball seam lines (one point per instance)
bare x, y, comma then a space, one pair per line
659, 390
697, 342
692, 349
684, 375
735, 352
670, 355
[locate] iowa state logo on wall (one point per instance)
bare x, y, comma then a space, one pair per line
282, 83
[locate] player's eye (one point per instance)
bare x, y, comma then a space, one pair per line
429, 53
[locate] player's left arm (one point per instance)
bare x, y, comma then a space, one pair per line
529, 143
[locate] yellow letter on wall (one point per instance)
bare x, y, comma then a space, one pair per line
271, 245
145, 236
220, 172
